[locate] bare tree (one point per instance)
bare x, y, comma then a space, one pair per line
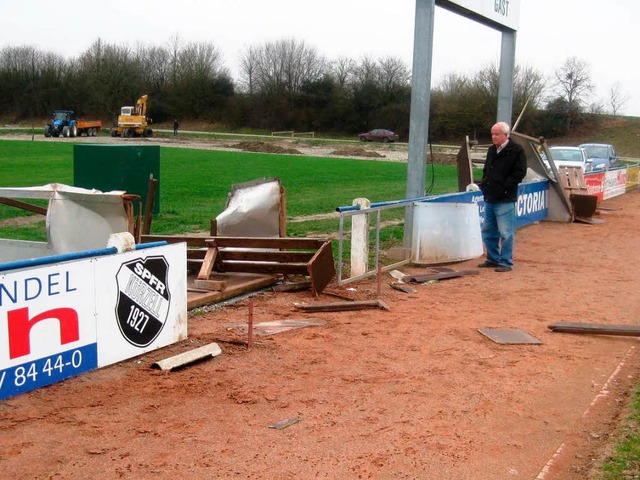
530, 85
393, 74
248, 66
366, 72
617, 98
573, 83
342, 71
200, 61
282, 67
174, 47
156, 66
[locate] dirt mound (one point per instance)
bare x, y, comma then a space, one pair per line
263, 147
442, 158
356, 152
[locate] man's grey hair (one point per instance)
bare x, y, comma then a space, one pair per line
504, 126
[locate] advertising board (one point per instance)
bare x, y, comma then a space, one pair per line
502, 12
532, 204
615, 183
64, 319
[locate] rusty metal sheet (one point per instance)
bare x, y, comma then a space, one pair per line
598, 329
321, 268
509, 336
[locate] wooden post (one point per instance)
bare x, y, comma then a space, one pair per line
148, 210
283, 212
360, 239
250, 328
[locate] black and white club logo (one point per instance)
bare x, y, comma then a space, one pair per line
143, 299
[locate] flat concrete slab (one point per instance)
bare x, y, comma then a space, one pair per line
188, 358
509, 336
276, 326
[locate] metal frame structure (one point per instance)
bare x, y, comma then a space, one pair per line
421, 80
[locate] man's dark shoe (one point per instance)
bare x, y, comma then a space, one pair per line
503, 268
487, 264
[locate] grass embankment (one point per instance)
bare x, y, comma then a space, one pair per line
624, 462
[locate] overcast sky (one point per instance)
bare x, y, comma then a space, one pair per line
602, 33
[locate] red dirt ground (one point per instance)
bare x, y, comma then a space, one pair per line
411, 393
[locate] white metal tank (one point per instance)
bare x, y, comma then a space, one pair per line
445, 232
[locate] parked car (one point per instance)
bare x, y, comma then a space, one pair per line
571, 157
379, 135
602, 155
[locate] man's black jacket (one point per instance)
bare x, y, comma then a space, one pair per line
503, 172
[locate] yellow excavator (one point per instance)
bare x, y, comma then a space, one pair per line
133, 121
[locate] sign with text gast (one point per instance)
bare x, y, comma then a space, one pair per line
64, 319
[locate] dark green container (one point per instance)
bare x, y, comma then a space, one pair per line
118, 167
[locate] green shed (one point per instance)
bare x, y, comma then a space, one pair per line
118, 167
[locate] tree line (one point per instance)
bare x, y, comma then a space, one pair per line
284, 85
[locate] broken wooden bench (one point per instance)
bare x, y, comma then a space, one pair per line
221, 261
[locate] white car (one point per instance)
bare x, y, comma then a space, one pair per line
571, 157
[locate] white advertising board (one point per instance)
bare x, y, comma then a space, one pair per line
63, 319
615, 183
502, 12
143, 305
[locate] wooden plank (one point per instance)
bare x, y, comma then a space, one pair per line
237, 284
572, 180
251, 267
268, 242
266, 256
190, 240
282, 213
341, 306
593, 328
321, 268
196, 253
23, 205
210, 284
207, 263
292, 287
148, 208
189, 358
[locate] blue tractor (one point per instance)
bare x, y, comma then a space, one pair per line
63, 123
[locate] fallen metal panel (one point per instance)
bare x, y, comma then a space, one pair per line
509, 336
438, 275
77, 219
287, 422
321, 268
253, 210
559, 206
465, 167
599, 329
189, 358
402, 287
341, 306
276, 326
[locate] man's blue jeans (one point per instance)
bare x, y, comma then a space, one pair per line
498, 232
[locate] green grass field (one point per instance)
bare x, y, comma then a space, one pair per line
194, 184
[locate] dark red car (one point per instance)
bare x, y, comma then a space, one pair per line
379, 135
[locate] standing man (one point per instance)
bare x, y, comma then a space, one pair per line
504, 169
175, 127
